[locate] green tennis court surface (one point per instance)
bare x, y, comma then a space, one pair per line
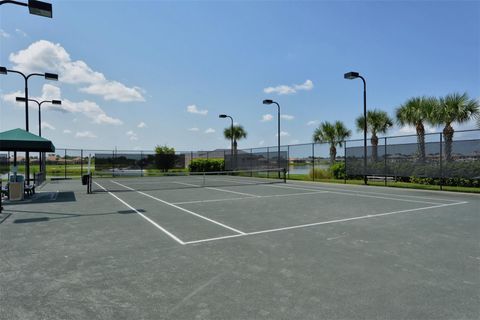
288, 250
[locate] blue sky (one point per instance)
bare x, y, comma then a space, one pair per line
136, 74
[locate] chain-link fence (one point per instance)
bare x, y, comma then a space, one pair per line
432, 160
401, 158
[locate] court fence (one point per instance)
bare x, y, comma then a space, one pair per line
432, 160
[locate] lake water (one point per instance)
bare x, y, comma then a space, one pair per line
304, 169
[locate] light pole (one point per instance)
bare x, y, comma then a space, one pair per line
39, 103
48, 76
350, 76
38, 8
223, 116
268, 101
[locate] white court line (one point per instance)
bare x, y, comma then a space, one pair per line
244, 198
182, 209
316, 186
144, 216
327, 222
236, 192
357, 194
217, 189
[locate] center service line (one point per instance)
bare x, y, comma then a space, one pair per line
182, 209
144, 216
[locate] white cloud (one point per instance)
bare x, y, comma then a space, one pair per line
142, 125
66, 131
85, 134
193, 109
210, 130
287, 117
193, 129
88, 108
267, 117
131, 135
45, 55
313, 122
21, 32
46, 125
283, 134
307, 85
294, 141
4, 34
261, 142
284, 89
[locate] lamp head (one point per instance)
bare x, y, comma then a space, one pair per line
267, 101
20, 99
56, 102
3, 70
351, 75
51, 76
40, 8
222, 115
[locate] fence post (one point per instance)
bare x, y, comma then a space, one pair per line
65, 164
385, 160
288, 161
441, 162
313, 161
141, 163
113, 163
345, 162
81, 162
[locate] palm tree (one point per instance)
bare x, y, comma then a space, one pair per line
334, 134
454, 107
377, 122
417, 112
238, 133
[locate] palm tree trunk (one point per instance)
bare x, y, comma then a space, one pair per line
374, 141
235, 164
333, 154
421, 141
448, 136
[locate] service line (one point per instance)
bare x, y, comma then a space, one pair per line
168, 233
368, 216
180, 208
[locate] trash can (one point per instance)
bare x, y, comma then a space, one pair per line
16, 187
85, 179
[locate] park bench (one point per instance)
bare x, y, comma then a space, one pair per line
381, 178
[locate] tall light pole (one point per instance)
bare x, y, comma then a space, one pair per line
350, 76
268, 101
47, 76
38, 8
39, 103
223, 116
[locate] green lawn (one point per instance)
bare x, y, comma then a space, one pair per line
407, 185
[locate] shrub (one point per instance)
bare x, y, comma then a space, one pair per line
206, 165
338, 170
318, 173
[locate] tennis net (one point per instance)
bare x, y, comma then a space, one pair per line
183, 180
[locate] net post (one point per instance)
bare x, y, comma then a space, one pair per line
284, 170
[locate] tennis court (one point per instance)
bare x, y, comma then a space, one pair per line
243, 247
